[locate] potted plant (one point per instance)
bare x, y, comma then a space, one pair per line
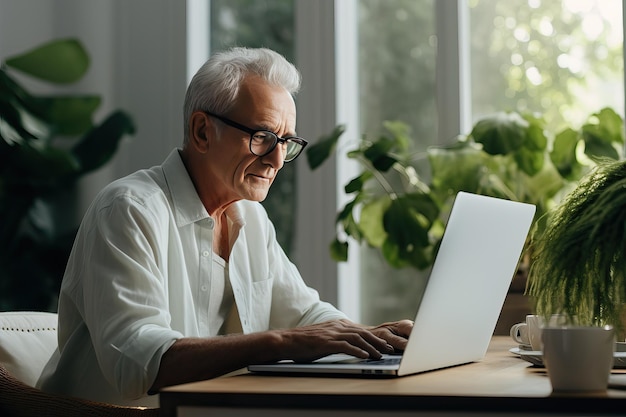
578, 266
506, 155
47, 142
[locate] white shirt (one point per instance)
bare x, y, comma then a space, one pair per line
141, 275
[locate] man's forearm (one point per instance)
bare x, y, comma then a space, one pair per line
196, 359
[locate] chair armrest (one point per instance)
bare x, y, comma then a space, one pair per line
19, 399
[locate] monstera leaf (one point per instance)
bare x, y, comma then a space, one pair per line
47, 142
59, 62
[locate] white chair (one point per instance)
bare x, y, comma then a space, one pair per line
27, 340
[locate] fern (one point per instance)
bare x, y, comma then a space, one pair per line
579, 263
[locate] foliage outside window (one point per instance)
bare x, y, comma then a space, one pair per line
562, 60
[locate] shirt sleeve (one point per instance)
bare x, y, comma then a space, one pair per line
125, 294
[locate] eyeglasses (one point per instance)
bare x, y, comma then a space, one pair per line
263, 142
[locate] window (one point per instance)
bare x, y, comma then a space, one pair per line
437, 66
563, 59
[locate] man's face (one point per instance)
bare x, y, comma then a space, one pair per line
235, 172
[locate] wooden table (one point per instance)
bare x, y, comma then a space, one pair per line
498, 385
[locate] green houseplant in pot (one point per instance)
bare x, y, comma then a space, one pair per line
400, 201
578, 265
47, 142
506, 155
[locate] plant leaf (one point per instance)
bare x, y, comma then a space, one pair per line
60, 61
407, 222
501, 133
371, 221
346, 219
346, 211
16, 109
391, 253
339, 250
418, 258
317, 153
377, 154
424, 204
529, 161
99, 144
563, 154
405, 225
21, 130
536, 139
71, 115
598, 143
45, 164
400, 133
356, 184
541, 187
11, 91
611, 124
600, 133
456, 167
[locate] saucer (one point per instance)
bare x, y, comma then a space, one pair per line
536, 357
533, 356
520, 348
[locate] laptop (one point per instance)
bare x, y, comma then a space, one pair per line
470, 277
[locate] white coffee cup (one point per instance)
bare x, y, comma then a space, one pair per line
528, 333
578, 358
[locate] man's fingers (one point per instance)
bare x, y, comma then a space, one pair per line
371, 343
312, 342
395, 333
351, 349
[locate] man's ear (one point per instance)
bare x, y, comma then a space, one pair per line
200, 131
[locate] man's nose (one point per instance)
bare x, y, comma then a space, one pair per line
276, 158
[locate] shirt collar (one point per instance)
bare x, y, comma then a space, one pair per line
187, 206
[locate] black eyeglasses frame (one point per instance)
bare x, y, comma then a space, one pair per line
294, 139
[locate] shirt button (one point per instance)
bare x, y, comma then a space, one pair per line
211, 223
205, 253
203, 288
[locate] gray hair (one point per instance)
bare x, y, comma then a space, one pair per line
215, 86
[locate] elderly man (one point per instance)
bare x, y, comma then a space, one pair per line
176, 274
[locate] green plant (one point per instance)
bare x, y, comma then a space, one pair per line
47, 142
578, 266
506, 155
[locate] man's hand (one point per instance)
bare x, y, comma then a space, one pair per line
307, 343
395, 333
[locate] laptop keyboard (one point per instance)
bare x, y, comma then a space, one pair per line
384, 361
393, 360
